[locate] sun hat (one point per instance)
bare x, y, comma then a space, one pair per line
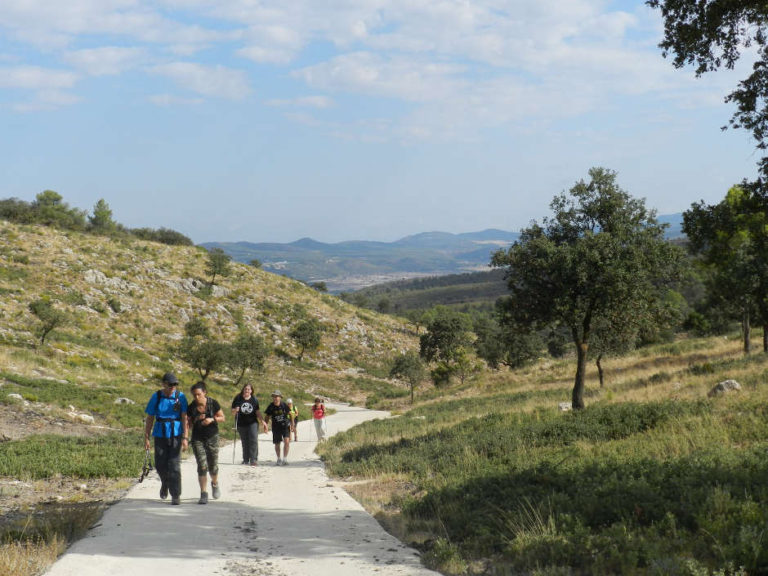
170, 378
289, 401
277, 393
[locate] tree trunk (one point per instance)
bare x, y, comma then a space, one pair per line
600, 368
765, 337
746, 330
577, 397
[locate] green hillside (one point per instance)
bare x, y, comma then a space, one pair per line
127, 302
469, 290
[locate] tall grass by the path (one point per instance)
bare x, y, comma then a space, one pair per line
666, 486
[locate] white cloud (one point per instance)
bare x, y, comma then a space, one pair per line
55, 24
36, 78
451, 63
303, 102
277, 44
397, 77
106, 60
217, 81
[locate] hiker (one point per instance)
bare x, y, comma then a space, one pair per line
293, 413
167, 423
245, 409
318, 415
277, 412
204, 416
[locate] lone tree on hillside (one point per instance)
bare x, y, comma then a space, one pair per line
307, 334
218, 264
101, 220
602, 251
49, 317
409, 367
447, 341
712, 34
198, 349
248, 352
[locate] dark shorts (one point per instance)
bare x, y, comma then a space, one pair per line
280, 432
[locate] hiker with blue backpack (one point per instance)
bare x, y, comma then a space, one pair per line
167, 423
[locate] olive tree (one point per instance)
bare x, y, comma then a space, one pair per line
198, 349
248, 352
50, 318
218, 264
307, 334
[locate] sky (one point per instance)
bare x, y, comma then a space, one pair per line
274, 120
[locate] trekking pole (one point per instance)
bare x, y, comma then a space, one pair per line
234, 439
147, 468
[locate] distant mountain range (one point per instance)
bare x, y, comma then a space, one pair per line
351, 265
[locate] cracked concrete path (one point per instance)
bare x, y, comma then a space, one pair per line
269, 521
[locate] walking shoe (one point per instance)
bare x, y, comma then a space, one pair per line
285, 462
163, 492
253, 463
216, 491
203, 498
279, 462
175, 500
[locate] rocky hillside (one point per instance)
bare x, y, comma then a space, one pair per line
127, 302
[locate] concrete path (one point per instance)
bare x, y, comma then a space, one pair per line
269, 521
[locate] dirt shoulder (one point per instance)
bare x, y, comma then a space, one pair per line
22, 500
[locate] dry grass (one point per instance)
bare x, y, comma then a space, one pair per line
29, 558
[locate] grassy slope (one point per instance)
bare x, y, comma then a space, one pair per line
128, 301
653, 477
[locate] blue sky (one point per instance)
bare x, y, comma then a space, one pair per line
267, 120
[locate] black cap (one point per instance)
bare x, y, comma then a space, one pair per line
170, 378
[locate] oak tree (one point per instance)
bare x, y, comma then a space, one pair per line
601, 251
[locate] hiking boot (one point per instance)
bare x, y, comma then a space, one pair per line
253, 463
175, 500
163, 492
203, 498
216, 492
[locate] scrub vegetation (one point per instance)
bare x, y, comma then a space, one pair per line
652, 477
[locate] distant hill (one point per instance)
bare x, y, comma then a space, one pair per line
675, 222
356, 264
353, 265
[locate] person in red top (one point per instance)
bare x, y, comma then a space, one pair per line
318, 414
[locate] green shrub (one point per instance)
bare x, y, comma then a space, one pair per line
39, 457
